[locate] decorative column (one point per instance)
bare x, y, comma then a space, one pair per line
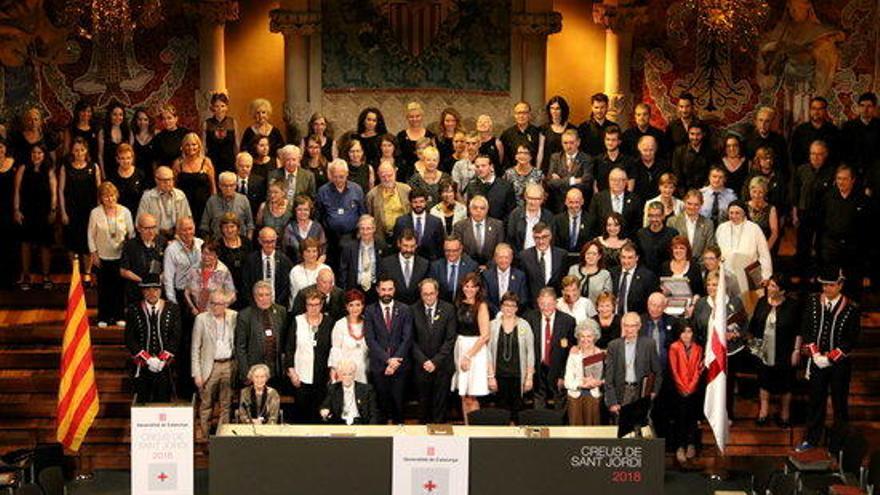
619, 18
300, 70
530, 31
212, 16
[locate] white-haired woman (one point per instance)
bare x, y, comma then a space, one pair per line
583, 376
261, 110
259, 403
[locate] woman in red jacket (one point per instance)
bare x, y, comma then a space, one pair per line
686, 367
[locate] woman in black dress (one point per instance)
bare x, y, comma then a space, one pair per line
8, 232
78, 182
81, 126
260, 109
359, 171
167, 143
489, 144
194, 175
33, 132
734, 163
321, 132
221, 135
142, 141
370, 129
128, 179
35, 202
114, 133
263, 163
776, 322
409, 137
558, 113
315, 161
449, 124
232, 250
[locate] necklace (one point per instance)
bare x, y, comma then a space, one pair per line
507, 345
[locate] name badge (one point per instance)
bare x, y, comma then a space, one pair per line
314, 343
340, 211
268, 332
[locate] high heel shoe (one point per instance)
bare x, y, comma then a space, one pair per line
761, 421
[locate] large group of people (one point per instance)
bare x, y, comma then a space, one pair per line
542, 267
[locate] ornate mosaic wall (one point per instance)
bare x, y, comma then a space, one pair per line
439, 44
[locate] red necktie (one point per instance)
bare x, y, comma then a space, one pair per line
388, 317
548, 337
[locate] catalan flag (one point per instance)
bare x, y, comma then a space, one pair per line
78, 391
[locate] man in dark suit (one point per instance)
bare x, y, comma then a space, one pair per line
267, 264
569, 168
451, 269
359, 262
592, 131
613, 157
406, 268
615, 199
631, 282
479, 233
434, 323
642, 128
543, 264
297, 179
519, 221
663, 329
333, 297
388, 324
570, 230
691, 161
497, 191
349, 402
554, 336
428, 229
252, 186
502, 277
258, 335
625, 371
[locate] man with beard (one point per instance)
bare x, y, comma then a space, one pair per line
406, 269
691, 161
643, 127
497, 191
428, 229
592, 131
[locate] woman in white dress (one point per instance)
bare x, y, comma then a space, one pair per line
471, 377
742, 243
347, 340
305, 273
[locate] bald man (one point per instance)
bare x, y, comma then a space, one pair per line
570, 227
269, 264
333, 296
165, 202
629, 361
479, 233
569, 168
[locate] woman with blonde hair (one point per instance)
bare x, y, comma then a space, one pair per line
261, 110
110, 225
429, 178
407, 138
762, 212
194, 175
490, 145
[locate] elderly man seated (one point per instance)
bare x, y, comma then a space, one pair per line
348, 401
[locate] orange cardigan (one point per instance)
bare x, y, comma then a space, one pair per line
686, 369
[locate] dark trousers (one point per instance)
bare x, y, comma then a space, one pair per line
185, 386
837, 378
547, 393
153, 387
389, 391
806, 243
307, 399
509, 394
111, 292
433, 390
687, 413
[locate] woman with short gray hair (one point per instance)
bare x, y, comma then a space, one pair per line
259, 403
583, 376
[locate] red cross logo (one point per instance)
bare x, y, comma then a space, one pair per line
163, 417
431, 451
430, 486
162, 477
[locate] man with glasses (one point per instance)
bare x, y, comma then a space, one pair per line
524, 218
165, 202
213, 365
497, 191
268, 264
225, 201
615, 199
479, 233
699, 230
451, 269
544, 264
522, 132
141, 255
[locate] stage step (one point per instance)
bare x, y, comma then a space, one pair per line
105, 357
46, 381
53, 334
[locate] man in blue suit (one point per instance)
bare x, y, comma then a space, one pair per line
451, 269
389, 327
502, 277
428, 228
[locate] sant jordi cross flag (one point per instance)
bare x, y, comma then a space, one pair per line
715, 405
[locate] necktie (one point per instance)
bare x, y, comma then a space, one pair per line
655, 334
388, 317
429, 315
503, 284
548, 336
828, 307
407, 272
154, 318
542, 263
573, 233
268, 268
479, 227
453, 278
419, 229
618, 204
716, 207
241, 186
623, 292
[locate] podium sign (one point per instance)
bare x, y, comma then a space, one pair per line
162, 450
433, 465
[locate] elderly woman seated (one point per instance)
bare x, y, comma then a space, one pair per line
349, 402
259, 404
583, 376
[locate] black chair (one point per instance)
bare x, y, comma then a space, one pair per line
849, 467
540, 417
489, 416
51, 480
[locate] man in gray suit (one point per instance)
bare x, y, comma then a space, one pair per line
479, 233
297, 179
213, 361
258, 338
699, 230
629, 360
